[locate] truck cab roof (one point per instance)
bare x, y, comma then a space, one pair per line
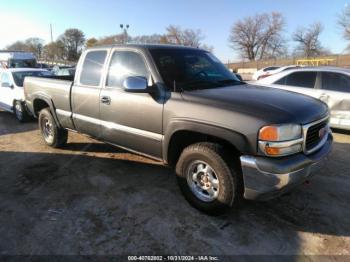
20, 69
146, 46
5, 55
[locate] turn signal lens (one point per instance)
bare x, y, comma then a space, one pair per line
268, 133
281, 151
280, 140
273, 151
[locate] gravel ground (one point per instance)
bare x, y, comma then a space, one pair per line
90, 198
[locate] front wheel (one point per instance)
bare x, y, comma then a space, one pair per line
52, 134
208, 178
20, 111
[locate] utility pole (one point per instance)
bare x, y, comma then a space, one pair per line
51, 40
51, 33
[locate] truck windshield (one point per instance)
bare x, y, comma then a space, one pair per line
19, 76
191, 69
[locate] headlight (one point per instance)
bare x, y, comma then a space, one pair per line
280, 140
280, 133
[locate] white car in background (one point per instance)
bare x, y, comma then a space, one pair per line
263, 71
12, 92
275, 71
329, 84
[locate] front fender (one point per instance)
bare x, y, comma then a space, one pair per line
238, 140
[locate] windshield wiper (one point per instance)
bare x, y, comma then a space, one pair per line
206, 84
200, 84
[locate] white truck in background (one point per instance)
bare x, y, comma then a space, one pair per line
17, 59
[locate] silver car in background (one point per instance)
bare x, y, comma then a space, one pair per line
329, 84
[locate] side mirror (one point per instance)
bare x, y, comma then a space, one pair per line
135, 84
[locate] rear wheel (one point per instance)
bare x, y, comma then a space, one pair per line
20, 111
53, 135
208, 179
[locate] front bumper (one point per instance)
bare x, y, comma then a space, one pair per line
265, 178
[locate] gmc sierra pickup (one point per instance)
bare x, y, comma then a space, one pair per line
226, 139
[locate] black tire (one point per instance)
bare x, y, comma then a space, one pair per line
53, 135
20, 111
226, 172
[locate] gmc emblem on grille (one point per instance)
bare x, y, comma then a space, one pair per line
322, 132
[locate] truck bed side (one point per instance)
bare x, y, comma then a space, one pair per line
55, 93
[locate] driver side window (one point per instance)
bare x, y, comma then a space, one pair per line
124, 64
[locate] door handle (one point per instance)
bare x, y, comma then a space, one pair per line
106, 100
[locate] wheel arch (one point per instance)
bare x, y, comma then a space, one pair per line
184, 133
41, 102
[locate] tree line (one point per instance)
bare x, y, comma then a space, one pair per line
68, 46
257, 37
72, 42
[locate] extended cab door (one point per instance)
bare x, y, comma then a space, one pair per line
131, 120
86, 92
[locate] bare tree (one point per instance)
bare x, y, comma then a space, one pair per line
112, 39
259, 36
277, 48
91, 42
308, 41
174, 35
344, 23
207, 47
147, 39
186, 37
54, 51
33, 44
272, 41
73, 40
17, 46
119, 39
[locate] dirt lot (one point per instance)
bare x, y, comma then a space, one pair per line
91, 198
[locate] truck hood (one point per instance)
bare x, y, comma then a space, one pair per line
272, 105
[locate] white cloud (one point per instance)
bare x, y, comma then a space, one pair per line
16, 27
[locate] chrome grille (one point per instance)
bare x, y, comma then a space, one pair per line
313, 136
313, 141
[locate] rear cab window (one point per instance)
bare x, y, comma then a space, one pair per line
91, 72
300, 79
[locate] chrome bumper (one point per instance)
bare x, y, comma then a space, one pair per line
265, 178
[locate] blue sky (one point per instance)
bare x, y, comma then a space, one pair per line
24, 18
